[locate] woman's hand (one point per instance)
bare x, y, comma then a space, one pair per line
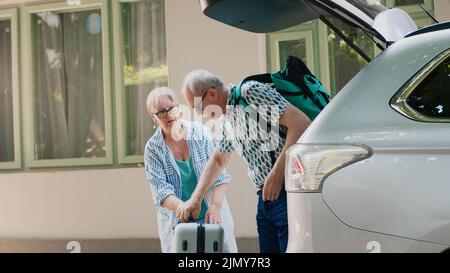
180, 210
187, 209
212, 216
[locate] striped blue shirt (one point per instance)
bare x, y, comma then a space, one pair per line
164, 178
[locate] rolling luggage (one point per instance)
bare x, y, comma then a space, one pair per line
198, 238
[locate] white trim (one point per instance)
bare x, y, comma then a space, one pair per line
119, 86
27, 73
12, 16
353, 10
275, 40
324, 57
428, 5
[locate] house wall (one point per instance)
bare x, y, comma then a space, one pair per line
117, 203
442, 10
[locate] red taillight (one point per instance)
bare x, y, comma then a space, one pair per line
307, 165
298, 167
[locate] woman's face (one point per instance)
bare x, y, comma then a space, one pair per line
166, 113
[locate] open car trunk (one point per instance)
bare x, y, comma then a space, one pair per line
263, 16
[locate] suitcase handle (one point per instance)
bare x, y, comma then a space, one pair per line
191, 220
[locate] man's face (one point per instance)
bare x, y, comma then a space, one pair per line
208, 105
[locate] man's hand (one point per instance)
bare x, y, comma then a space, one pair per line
272, 186
187, 209
296, 123
213, 215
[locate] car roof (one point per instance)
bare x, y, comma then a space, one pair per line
432, 28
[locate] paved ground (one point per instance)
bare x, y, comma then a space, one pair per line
245, 245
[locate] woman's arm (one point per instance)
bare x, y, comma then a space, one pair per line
162, 190
172, 203
211, 172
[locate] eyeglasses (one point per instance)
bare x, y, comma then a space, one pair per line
197, 107
164, 113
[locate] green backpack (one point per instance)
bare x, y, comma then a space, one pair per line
296, 84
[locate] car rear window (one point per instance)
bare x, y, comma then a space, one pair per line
370, 7
432, 96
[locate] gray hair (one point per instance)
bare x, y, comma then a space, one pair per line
156, 94
199, 81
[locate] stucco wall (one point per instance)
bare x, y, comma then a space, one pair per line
442, 10
117, 203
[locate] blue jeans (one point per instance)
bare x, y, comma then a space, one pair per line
272, 223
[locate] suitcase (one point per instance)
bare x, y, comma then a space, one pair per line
198, 238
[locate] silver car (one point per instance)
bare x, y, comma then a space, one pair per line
372, 173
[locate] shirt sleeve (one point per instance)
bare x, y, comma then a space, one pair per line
226, 141
268, 102
210, 148
161, 188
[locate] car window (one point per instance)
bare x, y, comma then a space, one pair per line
432, 96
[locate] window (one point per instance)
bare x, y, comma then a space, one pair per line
330, 58
333, 61
67, 88
141, 56
408, 2
6, 109
431, 98
412, 7
345, 62
297, 44
9, 99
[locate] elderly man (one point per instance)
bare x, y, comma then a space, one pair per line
271, 116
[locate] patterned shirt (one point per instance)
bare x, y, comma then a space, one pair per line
255, 132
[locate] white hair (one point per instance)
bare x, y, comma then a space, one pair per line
199, 81
155, 96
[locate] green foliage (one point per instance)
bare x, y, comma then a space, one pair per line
146, 75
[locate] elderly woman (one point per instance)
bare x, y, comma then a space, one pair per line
174, 159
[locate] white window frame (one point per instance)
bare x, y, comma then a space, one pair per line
119, 84
275, 40
12, 16
28, 96
428, 5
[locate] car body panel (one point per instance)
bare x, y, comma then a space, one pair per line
314, 228
393, 193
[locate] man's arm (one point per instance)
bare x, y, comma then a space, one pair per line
215, 207
213, 168
296, 123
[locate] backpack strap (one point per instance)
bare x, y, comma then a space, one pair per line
321, 100
263, 78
